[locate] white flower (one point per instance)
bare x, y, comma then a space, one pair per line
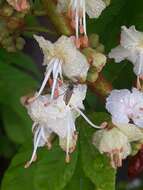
62, 57
114, 143
78, 10
130, 48
58, 117
126, 106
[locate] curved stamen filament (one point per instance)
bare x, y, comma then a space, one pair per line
37, 137
54, 68
86, 118
78, 15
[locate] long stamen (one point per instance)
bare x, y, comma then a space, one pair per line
79, 18
36, 143
56, 72
139, 70
84, 18
68, 141
48, 73
86, 119
77, 23
33, 126
43, 135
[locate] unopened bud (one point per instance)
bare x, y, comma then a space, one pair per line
94, 40
96, 59
92, 75
114, 143
6, 42
7, 11
99, 61
20, 42
100, 48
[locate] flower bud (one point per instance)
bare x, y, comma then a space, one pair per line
100, 48
92, 75
7, 41
20, 42
7, 11
114, 143
94, 40
97, 60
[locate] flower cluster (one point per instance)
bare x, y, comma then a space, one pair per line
126, 110
55, 111
125, 106
70, 62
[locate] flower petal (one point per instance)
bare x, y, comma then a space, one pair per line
131, 131
94, 8
119, 54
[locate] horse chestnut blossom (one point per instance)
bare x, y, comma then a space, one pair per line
19, 5
130, 48
115, 142
62, 58
126, 110
77, 12
57, 117
126, 106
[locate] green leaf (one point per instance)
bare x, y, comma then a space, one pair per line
18, 128
15, 83
50, 172
79, 180
16, 177
7, 148
20, 60
95, 165
53, 170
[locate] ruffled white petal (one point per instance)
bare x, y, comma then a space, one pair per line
138, 65
131, 131
130, 37
117, 105
74, 64
130, 48
119, 54
94, 8
126, 106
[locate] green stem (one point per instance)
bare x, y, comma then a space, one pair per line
39, 29
61, 24
101, 87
